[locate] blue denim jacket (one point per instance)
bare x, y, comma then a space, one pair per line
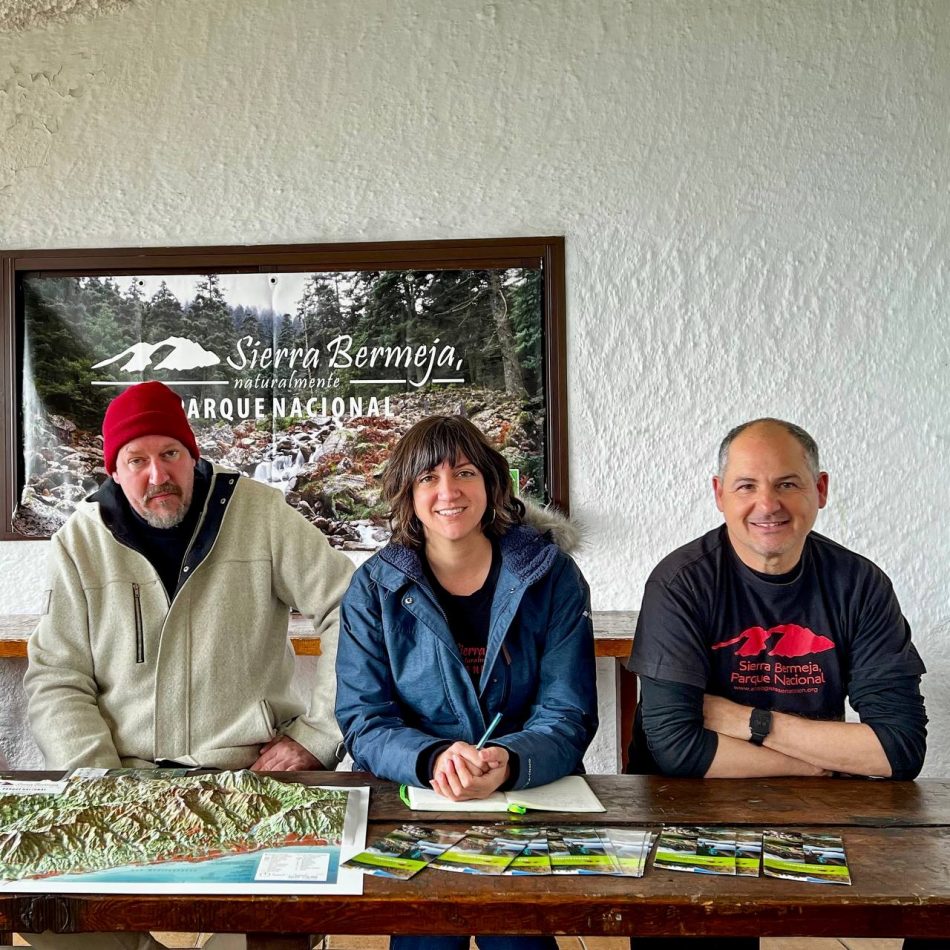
403, 689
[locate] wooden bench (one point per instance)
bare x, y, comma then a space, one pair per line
613, 637
613, 634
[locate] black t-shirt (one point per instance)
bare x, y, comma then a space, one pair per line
469, 619
790, 642
799, 642
469, 615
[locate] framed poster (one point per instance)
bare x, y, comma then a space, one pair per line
300, 366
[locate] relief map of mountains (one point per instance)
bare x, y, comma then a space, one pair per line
129, 819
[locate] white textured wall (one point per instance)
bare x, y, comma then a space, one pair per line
33, 14
754, 197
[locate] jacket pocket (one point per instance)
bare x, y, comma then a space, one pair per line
139, 630
267, 714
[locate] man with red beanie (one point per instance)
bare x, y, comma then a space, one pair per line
140, 411
164, 638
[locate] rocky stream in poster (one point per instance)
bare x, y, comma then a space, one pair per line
328, 467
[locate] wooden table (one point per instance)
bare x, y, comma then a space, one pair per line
897, 836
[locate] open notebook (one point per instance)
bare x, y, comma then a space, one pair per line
570, 794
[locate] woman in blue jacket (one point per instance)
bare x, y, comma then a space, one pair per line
470, 611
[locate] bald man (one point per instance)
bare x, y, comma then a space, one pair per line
751, 637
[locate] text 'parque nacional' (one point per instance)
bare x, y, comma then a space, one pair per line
296, 408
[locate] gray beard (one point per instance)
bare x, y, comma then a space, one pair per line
171, 519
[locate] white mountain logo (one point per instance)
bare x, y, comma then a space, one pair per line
185, 354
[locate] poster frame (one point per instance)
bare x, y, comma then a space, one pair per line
478, 253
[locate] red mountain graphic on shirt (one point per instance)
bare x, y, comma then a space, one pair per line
793, 641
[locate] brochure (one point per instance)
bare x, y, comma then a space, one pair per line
748, 852
696, 849
558, 854
479, 852
631, 847
403, 852
804, 857
533, 858
588, 852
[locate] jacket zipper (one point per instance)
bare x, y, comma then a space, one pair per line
424, 586
184, 569
506, 692
504, 647
139, 632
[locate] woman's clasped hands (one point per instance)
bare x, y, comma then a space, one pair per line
463, 773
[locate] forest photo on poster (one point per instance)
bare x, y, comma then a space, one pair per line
302, 380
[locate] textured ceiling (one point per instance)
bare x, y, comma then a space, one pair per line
17, 15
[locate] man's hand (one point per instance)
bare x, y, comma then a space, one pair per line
463, 773
818, 747
739, 759
283, 754
726, 717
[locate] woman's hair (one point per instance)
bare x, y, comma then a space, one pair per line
427, 445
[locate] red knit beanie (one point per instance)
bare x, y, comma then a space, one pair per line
145, 409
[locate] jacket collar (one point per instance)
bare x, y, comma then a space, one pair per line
114, 508
526, 555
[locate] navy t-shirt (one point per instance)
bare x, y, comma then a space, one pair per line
799, 642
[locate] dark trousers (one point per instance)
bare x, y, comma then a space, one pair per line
694, 943
749, 943
461, 943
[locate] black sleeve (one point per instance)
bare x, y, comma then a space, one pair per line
894, 709
672, 715
881, 646
670, 641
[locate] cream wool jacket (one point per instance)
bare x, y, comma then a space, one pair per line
119, 676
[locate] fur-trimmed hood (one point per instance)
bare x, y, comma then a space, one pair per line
566, 533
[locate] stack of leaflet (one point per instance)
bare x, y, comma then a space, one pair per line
819, 859
742, 852
531, 850
632, 847
621, 851
403, 852
708, 850
510, 850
